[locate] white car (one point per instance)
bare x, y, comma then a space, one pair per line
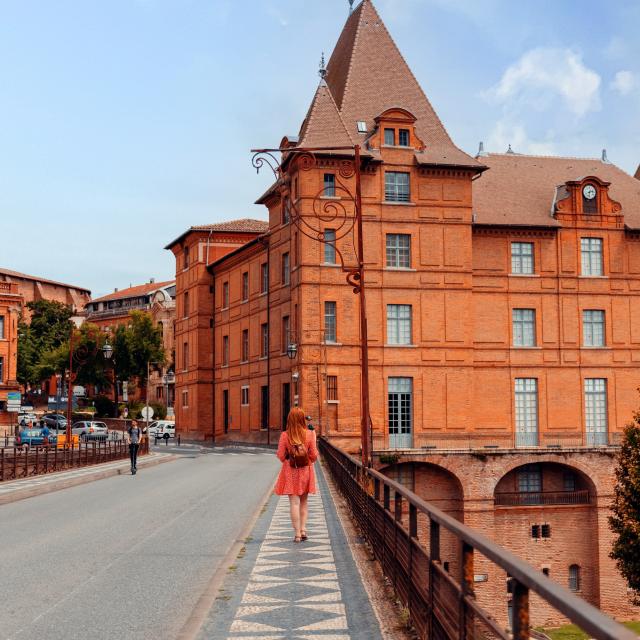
88, 430
162, 429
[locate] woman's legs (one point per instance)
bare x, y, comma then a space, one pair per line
304, 511
294, 508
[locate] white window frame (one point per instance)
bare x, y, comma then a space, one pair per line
522, 258
330, 321
329, 236
591, 257
185, 398
398, 250
596, 411
399, 321
526, 411
593, 328
244, 395
524, 327
397, 186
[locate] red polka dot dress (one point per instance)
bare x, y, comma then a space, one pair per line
292, 481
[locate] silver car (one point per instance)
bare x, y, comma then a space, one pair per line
90, 430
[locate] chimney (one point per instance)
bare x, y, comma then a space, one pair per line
115, 290
604, 156
152, 280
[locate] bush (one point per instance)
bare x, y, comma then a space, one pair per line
104, 407
159, 410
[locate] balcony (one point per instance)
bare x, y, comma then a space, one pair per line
484, 441
541, 498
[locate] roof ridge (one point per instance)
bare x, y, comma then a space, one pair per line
538, 155
357, 11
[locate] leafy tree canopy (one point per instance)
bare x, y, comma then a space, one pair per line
49, 328
625, 521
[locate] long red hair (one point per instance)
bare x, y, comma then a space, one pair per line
296, 426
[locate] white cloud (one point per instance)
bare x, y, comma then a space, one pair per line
507, 133
623, 82
543, 74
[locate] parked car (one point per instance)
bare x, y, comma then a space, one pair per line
162, 429
28, 417
33, 437
55, 421
90, 430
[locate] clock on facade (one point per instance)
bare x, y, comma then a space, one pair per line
589, 192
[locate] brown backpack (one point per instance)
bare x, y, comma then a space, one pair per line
298, 456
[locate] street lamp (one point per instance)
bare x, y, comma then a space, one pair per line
337, 211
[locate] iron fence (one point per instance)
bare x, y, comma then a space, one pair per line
443, 606
24, 462
535, 498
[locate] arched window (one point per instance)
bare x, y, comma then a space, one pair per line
574, 577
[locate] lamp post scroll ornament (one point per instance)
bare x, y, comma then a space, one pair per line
343, 210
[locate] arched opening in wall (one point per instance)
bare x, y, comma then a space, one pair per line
546, 514
443, 490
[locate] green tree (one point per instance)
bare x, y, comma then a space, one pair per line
135, 345
49, 328
625, 521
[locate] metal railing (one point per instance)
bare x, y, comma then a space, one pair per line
482, 440
535, 498
25, 462
443, 606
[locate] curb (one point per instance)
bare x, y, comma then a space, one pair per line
72, 482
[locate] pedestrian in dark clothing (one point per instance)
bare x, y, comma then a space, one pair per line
135, 436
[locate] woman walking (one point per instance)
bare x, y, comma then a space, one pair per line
297, 451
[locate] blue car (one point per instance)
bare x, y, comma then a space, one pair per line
34, 438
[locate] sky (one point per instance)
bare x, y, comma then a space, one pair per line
124, 122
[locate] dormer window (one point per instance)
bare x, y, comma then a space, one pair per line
362, 126
589, 199
403, 138
390, 137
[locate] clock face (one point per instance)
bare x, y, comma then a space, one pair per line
589, 192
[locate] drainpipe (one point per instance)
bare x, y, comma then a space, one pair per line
268, 339
213, 354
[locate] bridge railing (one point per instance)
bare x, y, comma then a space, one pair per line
443, 606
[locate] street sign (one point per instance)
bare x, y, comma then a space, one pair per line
13, 408
26, 407
147, 413
14, 396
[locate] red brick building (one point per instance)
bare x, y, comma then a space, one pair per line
502, 292
11, 304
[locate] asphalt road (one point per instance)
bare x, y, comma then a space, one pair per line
126, 557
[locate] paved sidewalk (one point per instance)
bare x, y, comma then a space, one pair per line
12, 490
278, 590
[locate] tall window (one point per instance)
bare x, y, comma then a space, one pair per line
591, 253
593, 328
390, 137
529, 479
245, 286
185, 399
330, 322
526, 412
1, 369
185, 356
330, 246
522, 257
185, 257
244, 395
398, 250
225, 295
595, 405
1, 327
396, 186
245, 345
264, 340
400, 412
225, 351
285, 212
332, 387
185, 310
264, 277
285, 268
286, 333
524, 328
403, 137
399, 324
574, 577
329, 185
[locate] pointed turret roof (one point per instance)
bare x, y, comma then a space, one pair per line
367, 75
323, 125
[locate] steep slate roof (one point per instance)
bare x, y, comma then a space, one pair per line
368, 75
323, 125
134, 292
24, 276
243, 225
519, 189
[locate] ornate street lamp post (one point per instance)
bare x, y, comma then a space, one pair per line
334, 211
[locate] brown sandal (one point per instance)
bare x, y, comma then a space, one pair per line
304, 536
